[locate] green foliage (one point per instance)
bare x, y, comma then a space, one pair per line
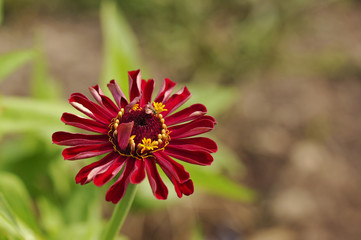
11, 61
42, 85
120, 48
16, 206
218, 184
18, 115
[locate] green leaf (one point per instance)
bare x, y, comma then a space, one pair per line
19, 114
17, 197
8, 222
120, 46
11, 61
217, 184
51, 217
217, 99
42, 85
226, 160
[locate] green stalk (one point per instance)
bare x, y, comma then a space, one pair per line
120, 212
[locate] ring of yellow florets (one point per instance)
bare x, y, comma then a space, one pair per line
147, 146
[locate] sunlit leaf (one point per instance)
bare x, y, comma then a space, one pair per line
50, 217
25, 114
11, 61
120, 46
8, 224
42, 85
16, 195
217, 184
217, 99
80, 206
226, 160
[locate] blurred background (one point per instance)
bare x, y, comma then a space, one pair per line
282, 78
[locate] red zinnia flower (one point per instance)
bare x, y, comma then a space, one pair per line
136, 135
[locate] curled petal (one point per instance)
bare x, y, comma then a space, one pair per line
194, 157
84, 123
87, 173
139, 172
86, 151
165, 90
117, 190
195, 144
105, 176
190, 113
159, 189
185, 188
124, 131
103, 100
196, 127
171, 166
118, 95
83, 104
147, 91
132, 103
134, 84
176, 100
74, 139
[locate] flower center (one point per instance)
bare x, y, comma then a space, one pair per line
149, 132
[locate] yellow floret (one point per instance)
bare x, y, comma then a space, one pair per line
159, 107
148, 145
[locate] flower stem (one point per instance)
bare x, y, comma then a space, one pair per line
120, 212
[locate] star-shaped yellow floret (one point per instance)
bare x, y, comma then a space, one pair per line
159, 107
148, 145
135, 107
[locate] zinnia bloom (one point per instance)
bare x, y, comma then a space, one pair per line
137, 135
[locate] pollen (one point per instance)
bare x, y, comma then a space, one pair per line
159, 107
135, 107
148, 145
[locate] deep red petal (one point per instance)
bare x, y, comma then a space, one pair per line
165, 90
176, 100
131, 104
103, 177
83, 104
194, 157
195, 144
196, 127
117, 190
147, 91
84, 123
139, 172
74, 139
87, 173
159, 189
187, 188
103, 100
190, 113
86, 151
118, 95
168, 164
135, 79
124, 132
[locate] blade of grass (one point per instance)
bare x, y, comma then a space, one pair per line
10, 62
120, 53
